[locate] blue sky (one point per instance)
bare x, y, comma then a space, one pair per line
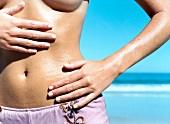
111, 25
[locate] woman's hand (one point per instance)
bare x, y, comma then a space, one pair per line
91, 78
19, 34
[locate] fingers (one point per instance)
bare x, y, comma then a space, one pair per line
28, 43
72, 95
31, 34
85, 101
22, 49
67, 88
75, 64
15, 9
71, 78
31, 24
23, 23
77, 94
18, 34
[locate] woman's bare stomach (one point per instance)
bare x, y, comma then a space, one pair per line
24, 79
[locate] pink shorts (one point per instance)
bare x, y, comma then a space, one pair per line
63, 113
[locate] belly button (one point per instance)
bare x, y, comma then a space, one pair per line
26, 73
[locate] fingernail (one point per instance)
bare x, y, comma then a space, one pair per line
50, 26
22, 3
67, 64
50, 94
51, 87
75, 106
47, 44
57, 99
33, 51
53, 36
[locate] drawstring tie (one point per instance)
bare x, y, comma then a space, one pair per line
68, 108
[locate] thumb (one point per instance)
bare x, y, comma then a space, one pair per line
15, 9
75, 64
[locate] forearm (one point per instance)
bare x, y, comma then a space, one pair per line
155, 34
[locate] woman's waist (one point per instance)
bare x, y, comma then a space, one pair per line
39, 68
25, 82
46, 64
28, 90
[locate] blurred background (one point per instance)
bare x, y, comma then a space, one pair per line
142, 94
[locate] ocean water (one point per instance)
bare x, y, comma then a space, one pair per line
139, 98
143, 78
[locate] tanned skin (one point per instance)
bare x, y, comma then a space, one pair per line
25, 78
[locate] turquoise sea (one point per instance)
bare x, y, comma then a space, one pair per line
139, 98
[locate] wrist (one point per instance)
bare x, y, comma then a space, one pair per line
113, 64
121, 60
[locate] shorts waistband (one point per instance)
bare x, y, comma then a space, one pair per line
38, 108
28, 109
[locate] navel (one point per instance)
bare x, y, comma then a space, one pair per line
26, 73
